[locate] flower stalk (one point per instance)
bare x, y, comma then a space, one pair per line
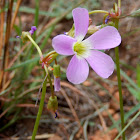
119, 83
34, 43
43, 90
40, 109
98, 11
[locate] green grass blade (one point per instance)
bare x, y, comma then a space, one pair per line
127, 115
23, 64
129, 123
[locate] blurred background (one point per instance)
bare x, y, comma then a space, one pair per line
86, 111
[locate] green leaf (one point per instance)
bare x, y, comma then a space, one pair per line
131, 82
134, 92
135, 13
127, 115
32, 11
24, 64
138, 75
3, 92
17, 29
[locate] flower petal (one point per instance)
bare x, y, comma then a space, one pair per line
63, 44
106, 38
81, 22
77, 71
101, 63
57, 85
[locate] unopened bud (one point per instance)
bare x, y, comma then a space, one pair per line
56, 71
57, 84
24, 36
52, 103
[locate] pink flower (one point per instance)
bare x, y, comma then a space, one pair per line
86, 51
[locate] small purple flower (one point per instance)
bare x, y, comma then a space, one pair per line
57, 85
18, 37
33, 29
31, 32
86, 51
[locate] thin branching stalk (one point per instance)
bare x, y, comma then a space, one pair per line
119, 83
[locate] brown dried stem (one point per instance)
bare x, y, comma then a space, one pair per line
15, 13
1, 36
6, 44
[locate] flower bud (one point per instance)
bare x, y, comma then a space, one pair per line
33, 29
24, 36
52, 103
57, 85
56, 71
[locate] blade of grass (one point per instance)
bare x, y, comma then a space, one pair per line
5, 91
129, 80
47, 37
127, 115
32, 11
27, 62
138, 75
129, 123
36, 16
12, 121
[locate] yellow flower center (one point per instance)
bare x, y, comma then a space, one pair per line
80, 48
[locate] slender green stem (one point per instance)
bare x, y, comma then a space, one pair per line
119, 83
98, 11
40, 109
37, 47
127, 125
